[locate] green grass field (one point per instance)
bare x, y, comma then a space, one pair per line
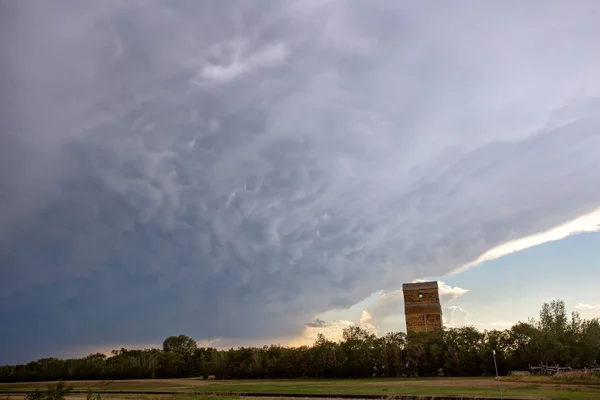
459, 387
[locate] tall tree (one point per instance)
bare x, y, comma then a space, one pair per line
182, 344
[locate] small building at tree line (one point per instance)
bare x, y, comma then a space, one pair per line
422, 306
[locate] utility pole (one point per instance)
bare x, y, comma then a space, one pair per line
497, 377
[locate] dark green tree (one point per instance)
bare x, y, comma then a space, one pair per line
555, 337
181, 344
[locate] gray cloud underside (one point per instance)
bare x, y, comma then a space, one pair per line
231, 168
317, 323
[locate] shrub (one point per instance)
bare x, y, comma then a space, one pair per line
58, 391
90, 395
53, 392
35, 395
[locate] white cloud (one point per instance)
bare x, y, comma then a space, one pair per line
586, 223
458, 317
583, 306
388, 304
588, 310
366, 316
455, 317
447, 293
497, 325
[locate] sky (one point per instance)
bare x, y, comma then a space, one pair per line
259, 172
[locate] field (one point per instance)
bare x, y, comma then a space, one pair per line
184, 389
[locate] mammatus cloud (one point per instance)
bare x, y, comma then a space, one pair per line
269, 56
231, 169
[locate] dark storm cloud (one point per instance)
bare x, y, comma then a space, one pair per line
229, 169
317, 323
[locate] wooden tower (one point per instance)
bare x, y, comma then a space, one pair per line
422, 306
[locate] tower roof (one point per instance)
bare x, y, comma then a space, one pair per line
420, 285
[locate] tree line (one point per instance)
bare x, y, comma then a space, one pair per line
554, 337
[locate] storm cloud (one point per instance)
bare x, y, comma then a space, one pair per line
229, 169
